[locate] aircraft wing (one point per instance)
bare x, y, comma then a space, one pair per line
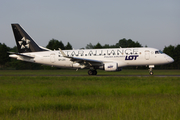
84, 61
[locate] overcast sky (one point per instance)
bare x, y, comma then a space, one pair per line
155, 23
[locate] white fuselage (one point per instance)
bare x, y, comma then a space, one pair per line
121, 56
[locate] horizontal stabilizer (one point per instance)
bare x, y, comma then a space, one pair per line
15, 55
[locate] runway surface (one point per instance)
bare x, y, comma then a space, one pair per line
99, 75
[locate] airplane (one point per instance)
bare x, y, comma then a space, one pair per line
92, 59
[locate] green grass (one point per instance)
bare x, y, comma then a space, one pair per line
88, 97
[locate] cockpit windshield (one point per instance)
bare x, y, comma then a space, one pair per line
158, 52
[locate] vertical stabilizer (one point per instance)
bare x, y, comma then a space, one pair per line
24, 42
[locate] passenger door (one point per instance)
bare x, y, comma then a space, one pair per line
147, 54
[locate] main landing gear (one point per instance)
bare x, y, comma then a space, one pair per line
92, 72
150, 69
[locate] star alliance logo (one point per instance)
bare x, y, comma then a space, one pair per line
24, 43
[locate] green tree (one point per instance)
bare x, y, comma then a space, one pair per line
55, 45
14, 49
127, 43
4, 56
170, 50
68, 46
106, 46
122, 43
98, 46
89, 46
177, 57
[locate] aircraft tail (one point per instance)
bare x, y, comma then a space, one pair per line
24, 42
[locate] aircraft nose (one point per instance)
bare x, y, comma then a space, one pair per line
170, 59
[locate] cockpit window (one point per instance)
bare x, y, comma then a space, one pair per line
158, 52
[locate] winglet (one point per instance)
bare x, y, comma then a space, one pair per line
64, 55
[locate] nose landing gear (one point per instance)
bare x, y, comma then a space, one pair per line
151, 72
150, 69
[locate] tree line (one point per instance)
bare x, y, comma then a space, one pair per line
10, 63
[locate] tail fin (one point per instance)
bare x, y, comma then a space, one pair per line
24, 42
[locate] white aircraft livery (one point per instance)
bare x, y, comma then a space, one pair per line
92, 59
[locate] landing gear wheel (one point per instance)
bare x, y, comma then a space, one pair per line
92, 72
151, 72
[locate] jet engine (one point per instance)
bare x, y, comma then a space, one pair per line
111, 67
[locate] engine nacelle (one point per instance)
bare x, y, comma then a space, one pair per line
111, 67
77, 65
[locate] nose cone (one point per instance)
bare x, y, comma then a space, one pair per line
170, 59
